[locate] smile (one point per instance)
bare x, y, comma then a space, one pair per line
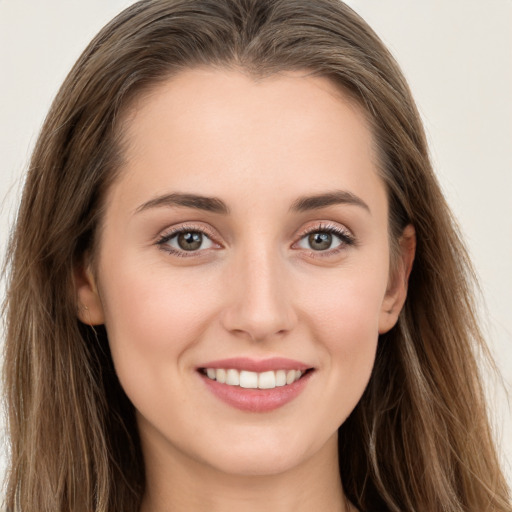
256, 386
253, 380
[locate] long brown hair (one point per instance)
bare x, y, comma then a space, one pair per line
419, 439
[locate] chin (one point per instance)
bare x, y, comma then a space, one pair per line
263, 456
265, 464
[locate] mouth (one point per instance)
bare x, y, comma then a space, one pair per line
255, 386
246, 379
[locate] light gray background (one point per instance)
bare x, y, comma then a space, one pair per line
457, 56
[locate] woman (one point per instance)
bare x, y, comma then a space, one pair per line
233, 273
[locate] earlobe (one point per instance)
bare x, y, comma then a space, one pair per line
89, 306
397, 288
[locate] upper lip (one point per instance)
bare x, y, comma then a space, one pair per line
256, 365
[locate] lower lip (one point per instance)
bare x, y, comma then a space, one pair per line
257, 400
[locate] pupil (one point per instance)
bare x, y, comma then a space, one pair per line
190, 241
320, 241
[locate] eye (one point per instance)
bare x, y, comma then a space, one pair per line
326, 239
185, 240
321, 241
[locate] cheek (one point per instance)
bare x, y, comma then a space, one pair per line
348, 304
345, 320
153, 316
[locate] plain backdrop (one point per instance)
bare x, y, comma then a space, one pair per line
457, 56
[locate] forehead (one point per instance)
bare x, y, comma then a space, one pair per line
213, 131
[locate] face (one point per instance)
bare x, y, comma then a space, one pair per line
246, 239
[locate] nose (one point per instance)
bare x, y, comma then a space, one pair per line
259, 301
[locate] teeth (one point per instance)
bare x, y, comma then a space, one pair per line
280, 378
254, 380
267, 380
233, 377
248, 379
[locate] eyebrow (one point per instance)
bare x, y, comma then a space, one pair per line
319, 201
209, 204
216, 205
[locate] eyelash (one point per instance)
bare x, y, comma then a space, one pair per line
188, 228
345, 237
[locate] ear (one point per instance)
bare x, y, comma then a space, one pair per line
90, 308
397, 287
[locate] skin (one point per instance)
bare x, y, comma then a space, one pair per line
257, 289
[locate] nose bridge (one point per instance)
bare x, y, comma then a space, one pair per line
261, 304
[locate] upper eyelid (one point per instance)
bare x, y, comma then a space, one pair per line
327, 227
324, 226
175, 230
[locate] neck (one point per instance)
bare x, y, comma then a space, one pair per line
176, 483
